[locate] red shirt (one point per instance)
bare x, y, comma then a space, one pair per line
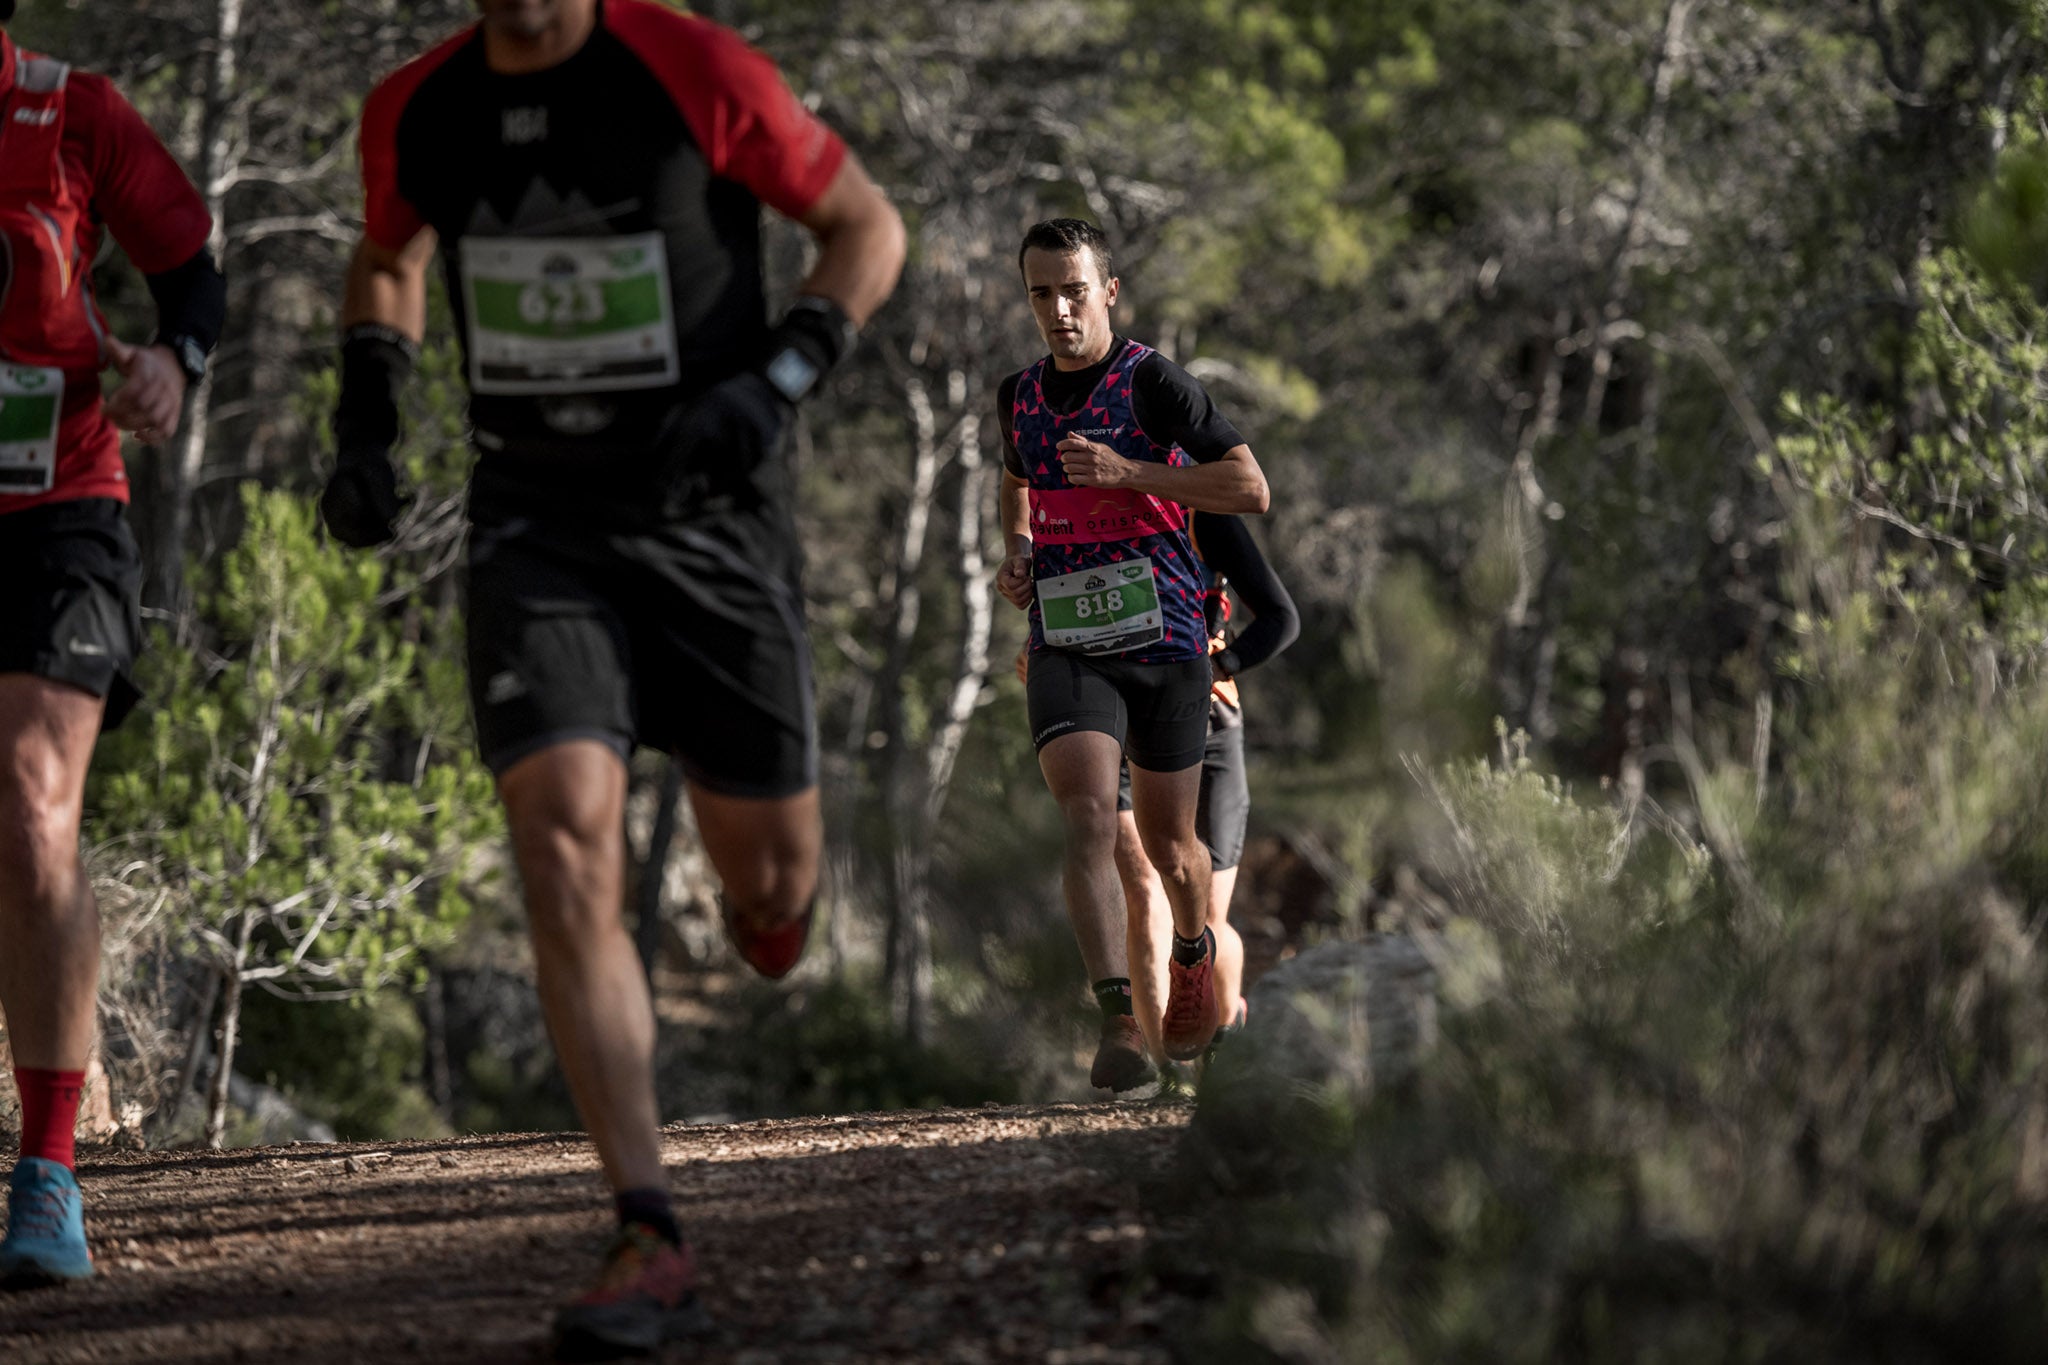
134, 188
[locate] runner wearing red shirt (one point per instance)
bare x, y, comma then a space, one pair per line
592, 172
76, 162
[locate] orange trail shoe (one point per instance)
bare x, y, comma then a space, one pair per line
1120, 1062
645, 1295
1191, 1002
773, 951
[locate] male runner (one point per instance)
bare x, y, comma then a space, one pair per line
76, 160
1107, 444
593, 171
1232, 564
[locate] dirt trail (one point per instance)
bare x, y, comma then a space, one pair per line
959, 1236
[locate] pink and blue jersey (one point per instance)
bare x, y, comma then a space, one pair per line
1083, 528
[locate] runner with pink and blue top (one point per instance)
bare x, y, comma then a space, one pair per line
1109, 448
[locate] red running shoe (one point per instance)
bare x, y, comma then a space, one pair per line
645, 1295
1191, 1003
1120, 1062
773, 951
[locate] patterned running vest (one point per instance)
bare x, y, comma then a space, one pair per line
1083, 528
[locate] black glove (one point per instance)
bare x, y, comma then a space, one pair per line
361, 504
723, 440
732, 430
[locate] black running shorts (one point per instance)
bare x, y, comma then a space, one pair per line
1158, 712
688, 639
1225, 806
70, 598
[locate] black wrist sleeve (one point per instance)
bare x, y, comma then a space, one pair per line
191, 301
375, 363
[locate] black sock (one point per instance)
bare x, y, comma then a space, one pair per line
1188, 951
1113, 996
650, 1208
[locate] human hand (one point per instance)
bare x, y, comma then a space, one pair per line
1013, 581
1090, 464
151, 398
361, 503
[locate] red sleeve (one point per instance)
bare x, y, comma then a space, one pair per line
388, 217
138, 188
750, 126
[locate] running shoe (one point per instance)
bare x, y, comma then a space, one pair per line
645, 1295
1120, 1061
1191, 1003
45, 1242
773, 951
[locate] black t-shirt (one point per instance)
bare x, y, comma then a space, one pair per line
564, 197
1170, 404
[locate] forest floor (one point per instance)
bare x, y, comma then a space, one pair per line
998, 1234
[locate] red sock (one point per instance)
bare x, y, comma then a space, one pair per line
49, 1112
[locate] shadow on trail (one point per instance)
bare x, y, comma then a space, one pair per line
994, 1237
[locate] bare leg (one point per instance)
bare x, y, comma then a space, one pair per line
49, 922
766, 851
1229, 947
1081, 771
1163, 806
1148, 921
565, 807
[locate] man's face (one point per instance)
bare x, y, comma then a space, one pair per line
1070, 300
523, 18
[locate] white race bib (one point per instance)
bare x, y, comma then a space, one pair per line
568, 314
31, 405
1107, 610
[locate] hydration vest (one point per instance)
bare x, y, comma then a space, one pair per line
48, 316
1075, 529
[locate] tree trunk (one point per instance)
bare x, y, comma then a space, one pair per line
654, 869
179, 468
224, 1058
195, 1056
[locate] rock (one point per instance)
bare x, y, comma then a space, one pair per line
1325, 1031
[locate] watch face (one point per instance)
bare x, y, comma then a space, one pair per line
792, 374
191, 359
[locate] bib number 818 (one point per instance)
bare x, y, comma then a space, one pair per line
1101, 604
561, 303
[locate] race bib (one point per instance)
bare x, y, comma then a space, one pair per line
31, 404
568, 314
1104, 610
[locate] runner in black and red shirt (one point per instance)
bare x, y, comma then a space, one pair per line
593, 171
76, 162
1110, 445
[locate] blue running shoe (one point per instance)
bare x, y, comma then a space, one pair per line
45, 1242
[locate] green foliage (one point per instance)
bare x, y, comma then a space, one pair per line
833, 1050
355, 1066
301, 789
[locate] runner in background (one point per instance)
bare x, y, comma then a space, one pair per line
593, 175
76, 162
1233, 565
1107, 446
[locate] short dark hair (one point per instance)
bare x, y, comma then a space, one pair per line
1064, 236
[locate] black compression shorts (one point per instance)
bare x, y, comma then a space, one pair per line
1225, 805
73, 589
688, 639
1158, 712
